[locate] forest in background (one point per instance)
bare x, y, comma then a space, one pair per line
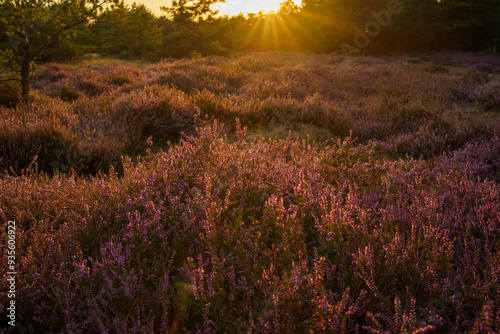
36, 31
193, 28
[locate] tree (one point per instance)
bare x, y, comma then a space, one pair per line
129, 32
421, 25
189, 28
288, 7
31, 25
448, 25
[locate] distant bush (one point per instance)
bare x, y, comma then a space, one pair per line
487, 67
123, 76
119, 78
91, 84
488, 96
435, 137
220, 106
43, 135
52, 73
158, 111
9, 94
65, 92
278, 110
54, 148
214, 74
437, 69
478, 159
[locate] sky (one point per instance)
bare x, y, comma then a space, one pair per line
230, 7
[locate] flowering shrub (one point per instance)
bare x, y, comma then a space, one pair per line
391, 226
158, 111
437, 136
65, 92
90, 84
52, 73
53, 147
213, 74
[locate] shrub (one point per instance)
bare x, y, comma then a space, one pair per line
438, 136
65, 92
219, 106
52, 73
477, 159
213, 74
45, 132
91, 84
10, 94
278, 110
158, 111
274, 235
393, 227
53, 147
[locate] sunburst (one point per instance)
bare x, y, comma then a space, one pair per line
234, 7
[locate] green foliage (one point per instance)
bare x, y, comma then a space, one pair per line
68, 46
129, 32
463, 25
191, 28
9, 94
31, 25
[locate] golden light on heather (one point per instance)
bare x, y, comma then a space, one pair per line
332, 166
266, 186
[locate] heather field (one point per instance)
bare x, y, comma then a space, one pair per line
263, 193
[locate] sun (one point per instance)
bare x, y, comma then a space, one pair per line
234, 7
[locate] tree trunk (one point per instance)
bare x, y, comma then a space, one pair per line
25, 74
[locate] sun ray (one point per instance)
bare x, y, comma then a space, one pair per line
254, 30
290, 37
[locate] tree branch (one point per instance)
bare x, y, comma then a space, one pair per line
50, 21
66, 27
69, 26
10, 79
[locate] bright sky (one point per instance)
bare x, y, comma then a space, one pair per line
230, 7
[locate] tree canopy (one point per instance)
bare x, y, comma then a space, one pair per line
29, 26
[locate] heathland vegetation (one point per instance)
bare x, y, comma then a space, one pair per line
334, 194
178, 183
36, 30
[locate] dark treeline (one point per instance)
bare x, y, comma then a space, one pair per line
193, 29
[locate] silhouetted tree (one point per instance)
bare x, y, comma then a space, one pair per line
129, 32
31, 25
191, 27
